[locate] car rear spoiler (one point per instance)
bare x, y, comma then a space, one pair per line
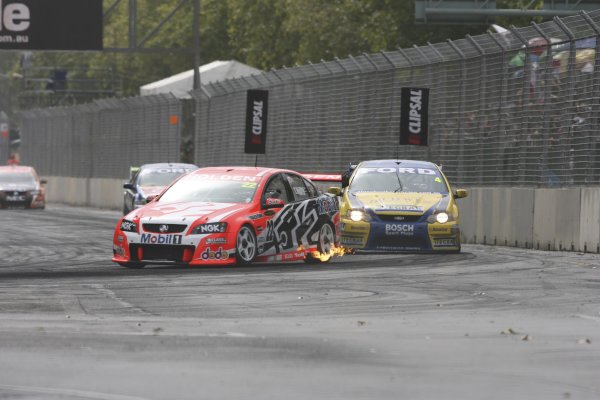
324, 177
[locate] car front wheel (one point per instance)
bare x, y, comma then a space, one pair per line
246, 248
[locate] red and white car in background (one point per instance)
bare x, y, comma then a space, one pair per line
21, 187
231, 215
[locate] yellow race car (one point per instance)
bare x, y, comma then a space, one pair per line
398, 206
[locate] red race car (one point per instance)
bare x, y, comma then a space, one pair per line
231, 215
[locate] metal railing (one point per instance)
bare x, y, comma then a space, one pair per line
102, 139
505, 109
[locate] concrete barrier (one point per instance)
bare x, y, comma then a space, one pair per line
557, 215
589, 238
94, 192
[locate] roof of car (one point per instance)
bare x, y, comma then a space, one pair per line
168, 165
397, 163
237, 170
16, 168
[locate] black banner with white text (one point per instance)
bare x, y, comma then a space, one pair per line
257, 105
414, 114
51, 24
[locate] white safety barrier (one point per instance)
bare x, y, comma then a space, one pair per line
545, 219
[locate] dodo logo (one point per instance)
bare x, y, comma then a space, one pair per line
215, 255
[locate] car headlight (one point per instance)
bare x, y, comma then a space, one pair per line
357, 215
128, 226
442, 217
212, 227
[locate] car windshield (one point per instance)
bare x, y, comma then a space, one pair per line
17, 178
422, 180
214, 189
160, 177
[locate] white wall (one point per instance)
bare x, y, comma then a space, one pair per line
96, 192
554, 219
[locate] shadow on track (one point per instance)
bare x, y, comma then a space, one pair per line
354, 262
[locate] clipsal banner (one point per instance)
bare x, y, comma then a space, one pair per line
51, 24
256, 121
414, 114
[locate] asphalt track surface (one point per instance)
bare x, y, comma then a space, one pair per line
490, 323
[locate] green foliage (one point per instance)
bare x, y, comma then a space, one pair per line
262, 33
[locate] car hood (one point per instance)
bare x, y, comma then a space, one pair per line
389, 202
185, 212
151, 190
17, 187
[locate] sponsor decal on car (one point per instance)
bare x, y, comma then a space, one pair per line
352, 240
355, 228
400, 170
213, 177
399, 229
327, 205
216, 241
440, 229
220, 254
400, 207
403, 248
211, 227
119, 250
448, 242
160, 239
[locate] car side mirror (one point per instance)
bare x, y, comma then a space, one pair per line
272, 202
43, 181
334, 190
461, 193
129, 186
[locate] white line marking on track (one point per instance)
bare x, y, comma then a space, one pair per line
70, 392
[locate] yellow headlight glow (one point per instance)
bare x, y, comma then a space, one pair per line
442, 217
356, 215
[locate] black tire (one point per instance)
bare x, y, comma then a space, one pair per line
125, 209
246, 247
132, 265
326, 239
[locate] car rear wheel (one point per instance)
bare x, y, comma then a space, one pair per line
245, 246
325, 245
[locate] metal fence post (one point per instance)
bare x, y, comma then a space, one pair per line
501, 174
543, 166
594, 142
480, 114
460, 167
569, 153
523, 121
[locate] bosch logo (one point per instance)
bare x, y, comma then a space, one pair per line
163, 228
399, 228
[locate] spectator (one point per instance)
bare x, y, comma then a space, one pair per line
12, 160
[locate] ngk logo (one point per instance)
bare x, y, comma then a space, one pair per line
14, 17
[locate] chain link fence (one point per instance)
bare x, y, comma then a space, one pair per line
518, 108
102, 139
505, 109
